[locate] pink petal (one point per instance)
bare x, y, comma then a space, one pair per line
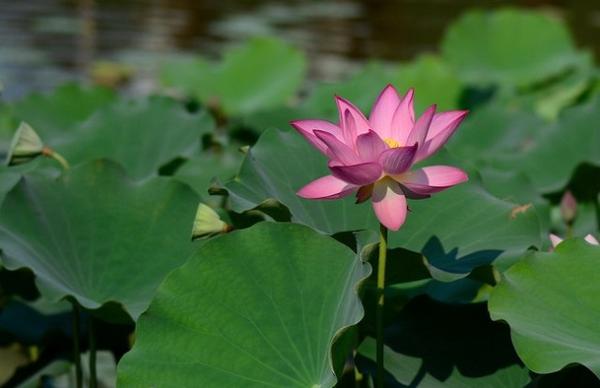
432, 179
389, 204
404, 118
327, 187
337, 150
442, 127
350, 132
383, 111
397, 160
370, 146
419, 131
307, 128
358, 174
591, 239
359, 124
555, 240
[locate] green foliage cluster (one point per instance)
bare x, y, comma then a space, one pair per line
275, 290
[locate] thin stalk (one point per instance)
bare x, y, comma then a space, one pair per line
569, 232
597, 206
380, 304
92, 337
49, 152
76, 349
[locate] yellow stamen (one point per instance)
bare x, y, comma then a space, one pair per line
391, 142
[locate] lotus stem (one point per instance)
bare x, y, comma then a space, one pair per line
49, 152
383, 232
76, 328
92, 338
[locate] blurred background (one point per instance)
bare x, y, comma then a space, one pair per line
44, 43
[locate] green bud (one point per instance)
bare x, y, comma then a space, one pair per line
208, 223
568, 207
25, 146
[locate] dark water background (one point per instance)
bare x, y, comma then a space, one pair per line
46, 42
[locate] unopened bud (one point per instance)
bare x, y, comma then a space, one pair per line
25, 146
568, 207
208, 223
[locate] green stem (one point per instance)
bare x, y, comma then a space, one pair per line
569, 232
92, 334
76, 349
597, 208
49, 152
380, 304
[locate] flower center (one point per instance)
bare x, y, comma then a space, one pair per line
391, 142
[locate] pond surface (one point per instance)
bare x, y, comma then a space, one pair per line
46, 42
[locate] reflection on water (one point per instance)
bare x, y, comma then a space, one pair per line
45, 42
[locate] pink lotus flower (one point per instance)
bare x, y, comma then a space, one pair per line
373, 156
555, 240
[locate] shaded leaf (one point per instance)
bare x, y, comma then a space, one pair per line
94, 235
433, 344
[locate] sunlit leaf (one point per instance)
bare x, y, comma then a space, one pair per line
258, 307
142, 136
550, 301
260, 74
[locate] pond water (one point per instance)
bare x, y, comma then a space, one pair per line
46, 42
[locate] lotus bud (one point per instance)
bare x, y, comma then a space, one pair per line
208, 223
568, 207
26, 145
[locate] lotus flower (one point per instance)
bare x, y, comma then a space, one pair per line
555, 240
373, 157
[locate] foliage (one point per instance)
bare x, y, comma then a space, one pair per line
280, 292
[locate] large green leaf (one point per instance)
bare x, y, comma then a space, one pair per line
509, 47
194, 76
361, 88
95, 235
434, 82
496, 132
278, 165
260, 74
553, 157
466, 227
510, 139
258, 307
142, 136
550, 301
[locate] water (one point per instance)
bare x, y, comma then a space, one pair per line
46, 42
